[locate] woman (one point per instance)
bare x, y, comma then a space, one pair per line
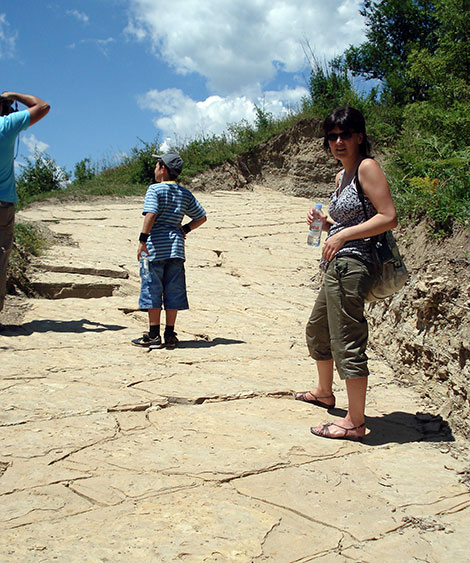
337, 329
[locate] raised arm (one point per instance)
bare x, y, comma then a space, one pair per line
37, 108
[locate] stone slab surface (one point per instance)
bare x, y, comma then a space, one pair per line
112, 453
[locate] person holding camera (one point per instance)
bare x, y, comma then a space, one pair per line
12, 122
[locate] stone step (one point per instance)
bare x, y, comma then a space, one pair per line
63, 285
74, 267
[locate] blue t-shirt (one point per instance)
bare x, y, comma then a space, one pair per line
170, 202
10, 127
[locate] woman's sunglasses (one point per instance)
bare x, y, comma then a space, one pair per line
344, 135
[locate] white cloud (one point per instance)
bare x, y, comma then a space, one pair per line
236, 44
80, 16
7, 39
182, 118
34, 145
240, 48
102, 44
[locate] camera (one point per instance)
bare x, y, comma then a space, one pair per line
7, 106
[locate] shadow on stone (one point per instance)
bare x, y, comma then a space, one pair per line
208, 343
403, 427
47, 325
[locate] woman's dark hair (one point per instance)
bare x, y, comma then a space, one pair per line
347, 119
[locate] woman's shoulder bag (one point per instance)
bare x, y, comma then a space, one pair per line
391, 270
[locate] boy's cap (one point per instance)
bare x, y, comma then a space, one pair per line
172, 161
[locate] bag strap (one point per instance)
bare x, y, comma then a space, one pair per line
360, 193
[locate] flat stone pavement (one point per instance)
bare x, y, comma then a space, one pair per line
111, 453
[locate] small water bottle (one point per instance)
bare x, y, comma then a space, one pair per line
144, 258
315, 230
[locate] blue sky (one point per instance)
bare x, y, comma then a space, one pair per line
116, 71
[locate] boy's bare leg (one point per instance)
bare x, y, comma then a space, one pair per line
170, 315
154, 316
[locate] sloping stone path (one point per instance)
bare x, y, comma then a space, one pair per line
111, 453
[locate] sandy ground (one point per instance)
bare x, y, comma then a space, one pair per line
111, 453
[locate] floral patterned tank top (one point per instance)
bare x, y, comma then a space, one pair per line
346, 210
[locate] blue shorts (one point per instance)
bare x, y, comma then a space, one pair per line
164, 284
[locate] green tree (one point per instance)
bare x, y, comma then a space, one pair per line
330, 86
446, 73
394, 29
264, 120
432, 155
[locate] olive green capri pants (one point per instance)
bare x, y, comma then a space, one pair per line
337, 327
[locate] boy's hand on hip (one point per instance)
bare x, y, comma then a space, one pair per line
141, 248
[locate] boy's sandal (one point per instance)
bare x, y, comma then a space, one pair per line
316, 400
347, 434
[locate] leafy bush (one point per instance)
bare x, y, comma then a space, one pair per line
28, 237
430, 179
331, 87
28, 241
140, 164
203, 152
40, 175
85, 170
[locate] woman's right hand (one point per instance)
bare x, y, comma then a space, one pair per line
313, 214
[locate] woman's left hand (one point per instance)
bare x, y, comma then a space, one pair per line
332, 245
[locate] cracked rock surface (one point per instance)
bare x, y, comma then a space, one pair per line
112, 453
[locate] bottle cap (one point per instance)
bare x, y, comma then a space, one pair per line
318, 206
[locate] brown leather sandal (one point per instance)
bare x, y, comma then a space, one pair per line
324, 432
303, 397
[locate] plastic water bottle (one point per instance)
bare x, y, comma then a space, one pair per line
145, 263
315, 230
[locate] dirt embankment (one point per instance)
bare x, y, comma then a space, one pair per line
292, 162
424, 331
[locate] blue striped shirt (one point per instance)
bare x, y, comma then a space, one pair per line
170, 202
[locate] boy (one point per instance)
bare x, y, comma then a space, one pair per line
162, 241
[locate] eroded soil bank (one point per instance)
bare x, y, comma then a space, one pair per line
424, 331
